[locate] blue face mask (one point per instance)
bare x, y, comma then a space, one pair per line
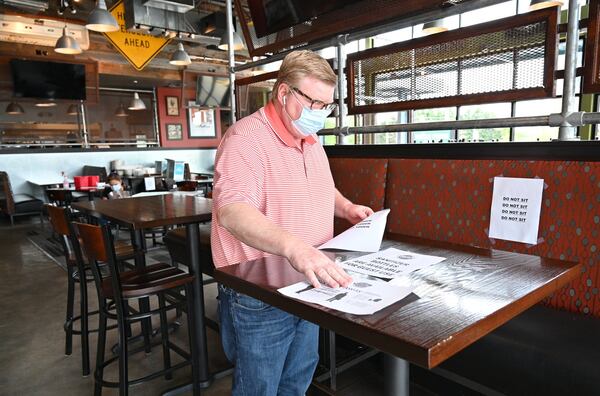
116, 187
310, 121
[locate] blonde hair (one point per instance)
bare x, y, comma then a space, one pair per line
299, 64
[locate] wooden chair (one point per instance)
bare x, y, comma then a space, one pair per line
187, 185
14, 205
121, 288
77, 269
59, 197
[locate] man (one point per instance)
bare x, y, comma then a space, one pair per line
274, 194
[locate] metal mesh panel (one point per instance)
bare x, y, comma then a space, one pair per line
423, 73
352, 16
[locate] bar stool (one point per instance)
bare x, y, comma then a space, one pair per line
60, 219
114, 294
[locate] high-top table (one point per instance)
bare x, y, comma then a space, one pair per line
454, 303
142, 213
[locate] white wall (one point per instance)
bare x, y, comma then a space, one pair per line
48, 166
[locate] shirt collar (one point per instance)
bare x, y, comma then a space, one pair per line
280, 130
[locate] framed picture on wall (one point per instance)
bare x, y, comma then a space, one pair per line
201, 122
172, 105
174, 132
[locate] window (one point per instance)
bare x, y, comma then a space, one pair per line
485, 111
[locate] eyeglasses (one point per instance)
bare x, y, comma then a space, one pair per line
315, 104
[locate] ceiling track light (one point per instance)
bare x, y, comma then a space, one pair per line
136, 103
180, 57
100, 20
238, 44
121, 112
539, 4
72, 110
67, 44
14, 108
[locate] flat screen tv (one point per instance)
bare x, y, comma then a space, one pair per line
271, 16
212, 91
48, 80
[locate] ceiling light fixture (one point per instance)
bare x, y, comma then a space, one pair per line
238, 44
72, 110
539, 4
121, 112
67, 44
136, 103
433, 27
14, 108
180, 57
49, 103
100, 20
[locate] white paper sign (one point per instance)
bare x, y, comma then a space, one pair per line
390, 263
516, 208
365, 236
362, 297
149, 183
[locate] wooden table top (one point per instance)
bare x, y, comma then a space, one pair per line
454, 303
152, 211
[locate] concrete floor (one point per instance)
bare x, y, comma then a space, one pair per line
32, 360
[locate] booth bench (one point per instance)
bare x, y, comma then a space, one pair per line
444, 192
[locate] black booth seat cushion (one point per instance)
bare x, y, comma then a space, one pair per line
543, 351
175, 240
25, 203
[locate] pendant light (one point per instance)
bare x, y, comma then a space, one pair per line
238, 44
100, 20
121, 112
136, 103
539, 4
72, 110
67, 44
180, 57
14, 108
433, 27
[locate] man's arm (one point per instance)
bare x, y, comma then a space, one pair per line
249, 225
349, 211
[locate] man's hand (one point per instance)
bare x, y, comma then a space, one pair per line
315, 265
357, 213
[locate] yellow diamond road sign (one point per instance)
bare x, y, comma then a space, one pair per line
139, 49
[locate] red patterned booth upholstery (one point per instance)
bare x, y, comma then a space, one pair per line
553, 344
450, 200
361, 180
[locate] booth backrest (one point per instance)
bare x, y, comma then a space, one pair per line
361, 180
450, 200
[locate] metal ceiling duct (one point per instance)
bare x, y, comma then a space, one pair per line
29, 5
160, 22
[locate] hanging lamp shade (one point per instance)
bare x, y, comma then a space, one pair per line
136, 103
14, 108
539, 4
238, 44
121, 112
72, 110
433, 27
100, 20
180, 57
67, 44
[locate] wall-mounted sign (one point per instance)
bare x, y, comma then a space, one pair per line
139, 49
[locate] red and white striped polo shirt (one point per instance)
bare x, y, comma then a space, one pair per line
259, 162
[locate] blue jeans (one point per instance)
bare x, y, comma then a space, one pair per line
274, 353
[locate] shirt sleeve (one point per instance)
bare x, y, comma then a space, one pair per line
239, 173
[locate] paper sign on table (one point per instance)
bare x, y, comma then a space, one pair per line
150, 183
365, 236
362, 297
516, 207
390, 263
